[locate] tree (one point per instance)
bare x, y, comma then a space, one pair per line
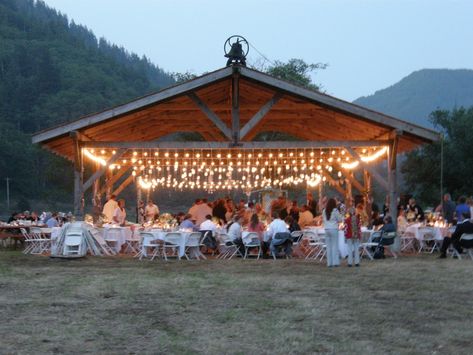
296, 71
422, 166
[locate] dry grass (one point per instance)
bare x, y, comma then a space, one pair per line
122, 306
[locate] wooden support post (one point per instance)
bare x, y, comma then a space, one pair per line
393, 188
108, 186
139, 198
78, 178
235, 107
367, 193
348, 194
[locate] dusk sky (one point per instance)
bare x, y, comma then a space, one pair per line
368, 44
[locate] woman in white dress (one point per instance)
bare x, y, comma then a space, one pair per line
331, 218
119, 215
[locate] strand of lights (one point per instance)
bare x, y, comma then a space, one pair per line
92, 157
366, 159
220, 169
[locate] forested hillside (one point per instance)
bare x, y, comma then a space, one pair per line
53, 70
422, 92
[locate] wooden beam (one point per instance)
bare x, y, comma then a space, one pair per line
210, 115
369, 168
123, 185
243, 145
259, 115
355, 183
134, 105
78, 178
235, 134
102, 169
393, 185
110, 182
426, 134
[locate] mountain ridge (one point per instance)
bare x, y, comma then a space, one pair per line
423, 91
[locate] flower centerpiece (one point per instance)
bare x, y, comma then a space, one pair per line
167, 221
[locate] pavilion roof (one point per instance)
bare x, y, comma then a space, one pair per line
204, 105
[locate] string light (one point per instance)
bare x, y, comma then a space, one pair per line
219, 169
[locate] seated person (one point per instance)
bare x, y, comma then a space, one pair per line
277, 235
376, 220
463, 227
256, 226
208, 228
52, 221
292, 223
388, 227
306, 217
188, 224
235, 232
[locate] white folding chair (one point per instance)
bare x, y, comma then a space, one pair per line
73, 244
465, 238
29, 241
172, 240
251, 241
43, 243
227, 248
112, 237
408, 241
149, 245
428, 241
193, 246
316, 244
366, 246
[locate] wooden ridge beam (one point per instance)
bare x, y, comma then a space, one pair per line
243, 145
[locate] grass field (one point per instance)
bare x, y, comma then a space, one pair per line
123, 306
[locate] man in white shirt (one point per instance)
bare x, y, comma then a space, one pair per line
305, 217
276, 236
208, 225
199, 211
110, 207
151, 211
208, 228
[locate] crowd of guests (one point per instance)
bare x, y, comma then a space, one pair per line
49, 219
284, 216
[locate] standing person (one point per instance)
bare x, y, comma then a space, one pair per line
151, 211
312, 203
199, 210
461, 208
331, 218
448, 208
110, 207
353, 236
414, 211
119, 215
219, 211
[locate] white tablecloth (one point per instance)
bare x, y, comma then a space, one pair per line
419, 231
122, 234
342, 245
159, 234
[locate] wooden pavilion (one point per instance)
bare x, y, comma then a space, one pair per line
229, 108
